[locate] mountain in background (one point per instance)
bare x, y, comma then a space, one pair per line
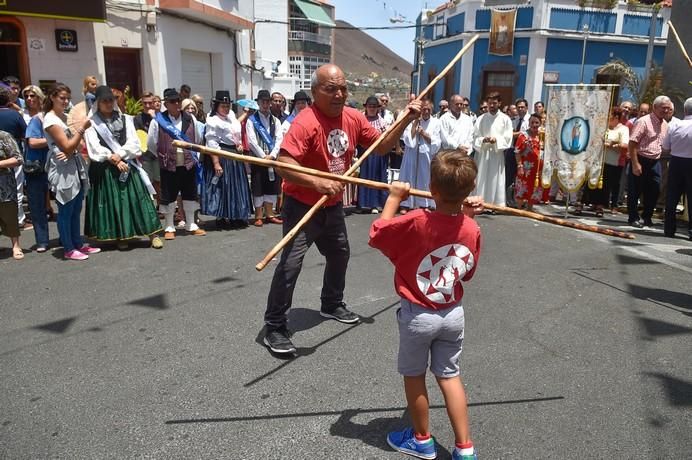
371, 67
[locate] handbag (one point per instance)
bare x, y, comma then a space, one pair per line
33, 167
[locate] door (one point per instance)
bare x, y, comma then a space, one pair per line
123, 69
502, 82
196, 72
13, 50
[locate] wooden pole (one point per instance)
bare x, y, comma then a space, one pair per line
316, 207
682, 47
385, 186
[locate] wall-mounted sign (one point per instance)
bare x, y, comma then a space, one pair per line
551, 77
66, 40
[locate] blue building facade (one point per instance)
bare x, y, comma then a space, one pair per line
549, 38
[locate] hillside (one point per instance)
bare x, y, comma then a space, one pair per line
370, 66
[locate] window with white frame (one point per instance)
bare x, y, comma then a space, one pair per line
302, 68
440, 27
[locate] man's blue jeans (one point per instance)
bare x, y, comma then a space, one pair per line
36, 188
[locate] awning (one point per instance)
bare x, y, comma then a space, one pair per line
314, 13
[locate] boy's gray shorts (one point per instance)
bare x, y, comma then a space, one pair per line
425, 332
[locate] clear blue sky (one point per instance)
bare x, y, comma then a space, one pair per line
364, 13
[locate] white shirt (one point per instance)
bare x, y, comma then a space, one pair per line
456, 132
252, 136
679, 138
498, 126
129, 151
223, 130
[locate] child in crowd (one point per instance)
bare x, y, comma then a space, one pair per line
432, 252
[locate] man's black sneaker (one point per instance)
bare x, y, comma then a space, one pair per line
648, 223
341, 314
277, 340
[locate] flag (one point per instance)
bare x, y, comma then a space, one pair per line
502, 24
575, 132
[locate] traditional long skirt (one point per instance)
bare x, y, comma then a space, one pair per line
230, 197
118, 210
373, 168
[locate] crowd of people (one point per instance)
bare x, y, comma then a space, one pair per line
130, 176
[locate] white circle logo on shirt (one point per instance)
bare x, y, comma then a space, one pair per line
440, 271
337, 143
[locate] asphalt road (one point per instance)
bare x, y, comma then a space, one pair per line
577, 346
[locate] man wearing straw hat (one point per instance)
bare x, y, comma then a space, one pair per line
322, 136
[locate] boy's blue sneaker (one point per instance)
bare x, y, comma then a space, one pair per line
456, 455
406, 443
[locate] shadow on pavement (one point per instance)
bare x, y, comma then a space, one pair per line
679, 391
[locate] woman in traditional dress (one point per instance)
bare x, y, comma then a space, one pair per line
119, 206
225, 189
67, 174
375, 166
422, 141
528, 152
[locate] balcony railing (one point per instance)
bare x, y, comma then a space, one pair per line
299, 35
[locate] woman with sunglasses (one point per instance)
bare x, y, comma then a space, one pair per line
35, 154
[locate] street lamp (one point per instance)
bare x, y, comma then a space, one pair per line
583, 52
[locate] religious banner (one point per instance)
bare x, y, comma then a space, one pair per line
575, 132
502, 24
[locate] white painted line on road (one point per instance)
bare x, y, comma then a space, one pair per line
656, 258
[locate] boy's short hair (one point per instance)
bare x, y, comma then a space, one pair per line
453, 175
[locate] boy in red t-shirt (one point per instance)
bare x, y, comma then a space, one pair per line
432, 252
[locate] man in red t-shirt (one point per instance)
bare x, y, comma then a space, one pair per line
322, 136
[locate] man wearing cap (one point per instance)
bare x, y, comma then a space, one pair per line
264, 137
323, 136
178, 166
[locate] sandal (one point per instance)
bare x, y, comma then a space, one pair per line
599, 212
17, 254
578, 209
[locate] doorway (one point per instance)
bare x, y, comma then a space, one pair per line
502, 82
13, 50
123, 69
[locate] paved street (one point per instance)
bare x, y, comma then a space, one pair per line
577, 346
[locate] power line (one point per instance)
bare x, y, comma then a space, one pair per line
273, 21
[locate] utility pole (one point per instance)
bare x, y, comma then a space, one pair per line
650, 47
583, 52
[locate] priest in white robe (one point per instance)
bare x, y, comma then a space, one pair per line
456, 128
422, 142
492, 135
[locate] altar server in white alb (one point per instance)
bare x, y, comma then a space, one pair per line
492, 135
422, 141
456, 128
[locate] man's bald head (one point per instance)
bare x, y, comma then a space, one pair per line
456, 105
329, 90
324, 72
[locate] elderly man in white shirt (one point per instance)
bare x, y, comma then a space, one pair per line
492, 135
678, 142
456, 128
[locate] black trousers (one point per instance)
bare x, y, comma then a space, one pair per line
327, 229
647, 183
679, 182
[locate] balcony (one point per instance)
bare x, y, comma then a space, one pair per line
300, 36
309, 42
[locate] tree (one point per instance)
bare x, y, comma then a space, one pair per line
641, 91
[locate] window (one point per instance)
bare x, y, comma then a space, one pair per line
302, 68
440, 27
503, 79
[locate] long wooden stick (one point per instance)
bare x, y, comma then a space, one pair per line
387, 187
316, 207
682, 47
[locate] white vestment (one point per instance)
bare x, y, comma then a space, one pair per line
490, 157
456, 132
415, 166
